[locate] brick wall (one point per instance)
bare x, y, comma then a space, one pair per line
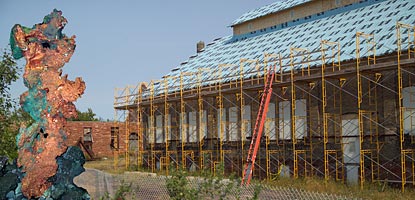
101, 136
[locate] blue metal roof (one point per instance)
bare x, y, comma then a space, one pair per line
371, 17
268, 9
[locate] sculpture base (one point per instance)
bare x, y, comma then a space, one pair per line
70, 165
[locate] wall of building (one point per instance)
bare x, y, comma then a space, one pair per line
297, 12
222, 136
101, 136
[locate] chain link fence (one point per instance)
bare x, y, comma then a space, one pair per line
147, 186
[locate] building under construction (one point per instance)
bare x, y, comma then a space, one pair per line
342, 104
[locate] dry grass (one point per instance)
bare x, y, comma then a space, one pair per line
106, 165
370, 191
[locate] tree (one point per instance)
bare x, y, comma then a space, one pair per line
89, 115
9, 117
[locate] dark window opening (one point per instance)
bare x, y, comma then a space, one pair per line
115, 138
87, 139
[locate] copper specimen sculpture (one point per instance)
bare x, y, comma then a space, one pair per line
44, 158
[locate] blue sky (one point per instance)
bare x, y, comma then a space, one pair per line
125, 42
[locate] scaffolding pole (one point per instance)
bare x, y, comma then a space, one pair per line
183, 127
152, 125
270, 59
140, 142
371, 60
201, 128
127, 130
116, 124
219, 103
240, 97
411, 49
302, 55
165, 161
335, 53
293, 129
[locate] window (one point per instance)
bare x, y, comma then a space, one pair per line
233, 124
159, 129
115, 138
183, 127
350, 125
87, 139
221, 126
203, 125
192, 127
87, 134
408, 94
246, 121
133, 141
269, 129
300, 118
284, 120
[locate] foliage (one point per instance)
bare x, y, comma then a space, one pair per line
121, 194
9, 73
178, 186
88, 115
9, 118
209, 186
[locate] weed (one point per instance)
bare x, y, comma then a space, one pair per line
207, 186
121, 194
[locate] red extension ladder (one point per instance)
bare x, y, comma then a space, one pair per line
259, 126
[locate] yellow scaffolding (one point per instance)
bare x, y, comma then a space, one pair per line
151, 136
270, 59
116, 124
127, 130
165, 160
411, 49
293, 98
306, 150
241, 99
140, 143
299, 58
201, 116
278, 156
334, 48
183, 122
371, 60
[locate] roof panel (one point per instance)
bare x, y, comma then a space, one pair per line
268, 9
341, 27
